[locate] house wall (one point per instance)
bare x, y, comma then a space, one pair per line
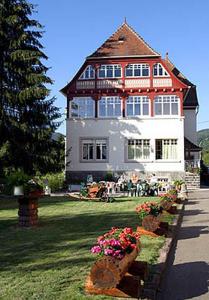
190, 125
118, 130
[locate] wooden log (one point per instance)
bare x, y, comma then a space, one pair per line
166, 205
150, 223
108, 271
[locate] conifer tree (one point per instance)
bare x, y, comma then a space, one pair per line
27, 116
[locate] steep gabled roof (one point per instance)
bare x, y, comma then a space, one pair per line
190, 99
125, 42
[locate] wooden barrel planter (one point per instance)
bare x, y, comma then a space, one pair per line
28, 211
107, 272
151, 223
166, 205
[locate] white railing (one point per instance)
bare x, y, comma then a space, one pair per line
107, 84
85, 84
137, 83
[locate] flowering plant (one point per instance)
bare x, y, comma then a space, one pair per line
171, 196
116, 243
148, 208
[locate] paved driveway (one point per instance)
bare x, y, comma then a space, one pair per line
187, 275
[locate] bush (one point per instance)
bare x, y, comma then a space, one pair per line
54, 181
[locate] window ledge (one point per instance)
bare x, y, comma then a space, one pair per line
139, 161
166, 161
94, 161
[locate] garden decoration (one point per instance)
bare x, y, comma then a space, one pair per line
97, 191
149, 213
167, 201
28, 204
116, 250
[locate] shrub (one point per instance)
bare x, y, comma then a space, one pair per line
54, 181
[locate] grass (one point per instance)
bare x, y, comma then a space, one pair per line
53, 260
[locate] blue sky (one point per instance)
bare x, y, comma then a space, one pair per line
75, 29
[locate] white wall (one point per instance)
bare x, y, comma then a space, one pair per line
118, 130
190, 125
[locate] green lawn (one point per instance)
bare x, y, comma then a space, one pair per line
53, 260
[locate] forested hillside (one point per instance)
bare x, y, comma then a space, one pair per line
203, 141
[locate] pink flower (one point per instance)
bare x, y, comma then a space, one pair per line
108, 251
96, 249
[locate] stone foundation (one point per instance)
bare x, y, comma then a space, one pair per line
79, 176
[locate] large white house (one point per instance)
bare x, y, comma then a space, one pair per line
130, 111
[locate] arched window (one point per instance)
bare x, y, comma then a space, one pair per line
88, 73
159, 70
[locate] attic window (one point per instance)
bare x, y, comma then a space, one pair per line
88, 73
158, 70
121, 38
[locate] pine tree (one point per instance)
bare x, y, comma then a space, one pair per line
27, 116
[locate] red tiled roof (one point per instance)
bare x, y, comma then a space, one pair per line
125, 42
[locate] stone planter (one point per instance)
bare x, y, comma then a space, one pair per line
107, 272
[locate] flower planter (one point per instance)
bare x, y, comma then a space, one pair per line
107, 272
28, 211
151, 223
166, 205
18, 190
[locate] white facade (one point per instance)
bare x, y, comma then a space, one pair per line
117, 131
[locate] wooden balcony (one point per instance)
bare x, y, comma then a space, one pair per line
108, 83
162, 82
137, 83
85, 84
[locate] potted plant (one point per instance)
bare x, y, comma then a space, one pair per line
116, 249
149, 213
17, 180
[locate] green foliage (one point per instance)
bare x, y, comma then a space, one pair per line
109, 176
27, 116
55, 181
17, 178
203, 142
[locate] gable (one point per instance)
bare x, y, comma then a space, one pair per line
125, 42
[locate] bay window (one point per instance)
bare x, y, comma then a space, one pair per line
138, 149
137, 106
137, 70
166, 149
166, 105
110, 107
109, 71
82, 107
93, 149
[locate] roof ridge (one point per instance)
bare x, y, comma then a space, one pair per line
139, 37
